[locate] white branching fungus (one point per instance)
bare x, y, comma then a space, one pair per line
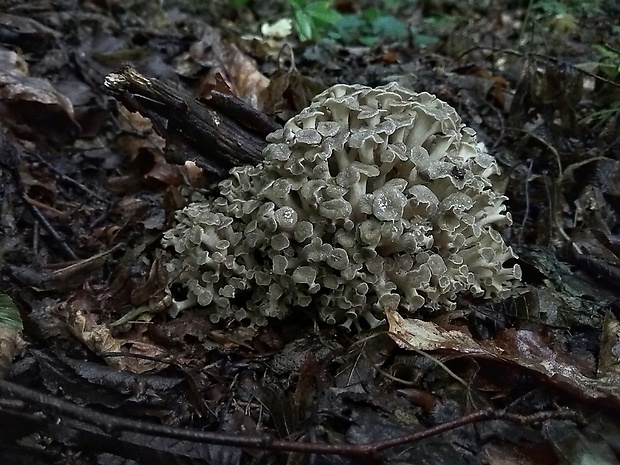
369, 198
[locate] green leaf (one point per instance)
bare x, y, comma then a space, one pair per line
424, 40
322, 12
390, 27
303, 23
369, 41
550, 7
606, 52
9, 315
348, 28
370, 14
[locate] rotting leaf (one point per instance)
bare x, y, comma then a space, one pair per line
521, 348
164, 174
425, 335
39, 184
288, 91
225, 61
359, 367
154, 389
139, 136
34, 102
59, 376
566, 297
608, 176
46, 323
305, 390
576, 446
506, 452
283, 408
368, 425
28, 33
294, 354
99, 338
156, 281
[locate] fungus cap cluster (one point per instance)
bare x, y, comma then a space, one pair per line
369, 198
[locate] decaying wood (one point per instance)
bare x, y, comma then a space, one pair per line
221, 133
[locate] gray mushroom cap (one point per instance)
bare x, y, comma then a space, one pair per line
369, 198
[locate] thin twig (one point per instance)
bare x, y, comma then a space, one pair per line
113, 424
68, 179
40, 217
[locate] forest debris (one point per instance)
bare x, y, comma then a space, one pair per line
521, 348
224, 58
137, 356
223, 142
34, 101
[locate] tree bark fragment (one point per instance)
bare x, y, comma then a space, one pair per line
219, 134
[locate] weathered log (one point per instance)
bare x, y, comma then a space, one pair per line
218, 134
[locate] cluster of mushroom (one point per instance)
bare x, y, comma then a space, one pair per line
369, 198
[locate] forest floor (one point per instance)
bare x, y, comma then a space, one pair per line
96, 370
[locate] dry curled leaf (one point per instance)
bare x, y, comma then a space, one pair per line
522, 348
34, 103
226, 62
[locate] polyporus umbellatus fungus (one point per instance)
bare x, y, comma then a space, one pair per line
369, 198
